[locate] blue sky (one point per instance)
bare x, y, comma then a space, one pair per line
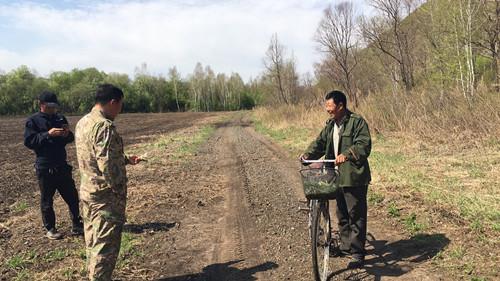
118, 35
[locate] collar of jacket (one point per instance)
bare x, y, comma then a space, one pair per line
46, 115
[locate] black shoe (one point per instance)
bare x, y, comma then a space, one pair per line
77, 229
357, 262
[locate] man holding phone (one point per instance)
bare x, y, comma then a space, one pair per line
47, 133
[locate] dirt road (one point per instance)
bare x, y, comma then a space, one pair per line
246, 224
227, 212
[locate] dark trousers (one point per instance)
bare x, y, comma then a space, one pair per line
59, 179
351, 214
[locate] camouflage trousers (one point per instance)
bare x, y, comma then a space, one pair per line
103, 222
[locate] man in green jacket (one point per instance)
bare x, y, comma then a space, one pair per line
346, 138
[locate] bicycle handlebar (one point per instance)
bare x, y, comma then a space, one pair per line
316, 161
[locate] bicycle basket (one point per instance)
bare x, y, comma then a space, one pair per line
319, 183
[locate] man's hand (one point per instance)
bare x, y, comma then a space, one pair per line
133, 160
56, 132
340, 159
303, 157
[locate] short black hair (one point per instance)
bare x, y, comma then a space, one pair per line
107, 92
338, 97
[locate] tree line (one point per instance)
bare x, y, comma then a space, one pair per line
203, 90
435, 46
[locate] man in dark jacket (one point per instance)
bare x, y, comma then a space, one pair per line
346, 138
47, 133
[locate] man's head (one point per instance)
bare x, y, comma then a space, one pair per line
48, 102
336, 104
110, 99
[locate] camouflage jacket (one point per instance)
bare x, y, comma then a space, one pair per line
101, 158
355, 143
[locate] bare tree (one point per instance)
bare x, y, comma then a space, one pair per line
386, 33
336, 37
276, 65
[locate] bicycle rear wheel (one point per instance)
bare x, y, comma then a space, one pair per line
320, 239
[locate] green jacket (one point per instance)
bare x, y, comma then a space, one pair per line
355, 143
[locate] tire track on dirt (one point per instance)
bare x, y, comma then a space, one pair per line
265, 227
238, 240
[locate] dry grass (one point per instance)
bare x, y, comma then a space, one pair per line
424, 116
436, 119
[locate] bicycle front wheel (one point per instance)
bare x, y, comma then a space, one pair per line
320, 239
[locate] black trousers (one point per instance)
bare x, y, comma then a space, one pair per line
351, 214
59, 179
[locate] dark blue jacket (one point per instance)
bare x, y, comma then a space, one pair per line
50, 151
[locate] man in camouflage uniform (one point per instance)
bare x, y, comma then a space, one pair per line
103, 189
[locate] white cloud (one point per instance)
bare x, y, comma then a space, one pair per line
117, 36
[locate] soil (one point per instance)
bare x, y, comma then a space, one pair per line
230, 211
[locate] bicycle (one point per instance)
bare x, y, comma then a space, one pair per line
319, 188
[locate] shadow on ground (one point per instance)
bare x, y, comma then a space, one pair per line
150, 226
397, 258
225, 272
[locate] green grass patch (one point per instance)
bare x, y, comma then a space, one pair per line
81, 253
128, 249
411, 224
69, 273
466, 187
375, 198
22, 275
191, 145
178, 146
20, 206
393, 210
475, 170
294, 139
389, 160
21, 261
477, 225
496, 226
55, 255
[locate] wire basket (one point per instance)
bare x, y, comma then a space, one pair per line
319, 183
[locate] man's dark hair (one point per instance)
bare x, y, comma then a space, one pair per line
107, 92
338, 97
